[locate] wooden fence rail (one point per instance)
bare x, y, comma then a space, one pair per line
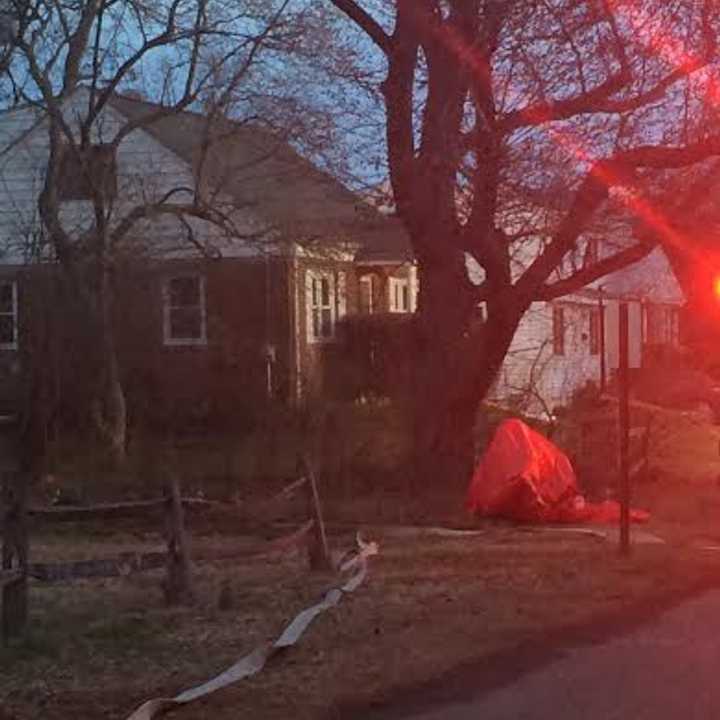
177, 584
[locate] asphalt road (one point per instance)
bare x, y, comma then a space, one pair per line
668, 668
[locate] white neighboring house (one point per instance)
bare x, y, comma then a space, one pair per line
561, 345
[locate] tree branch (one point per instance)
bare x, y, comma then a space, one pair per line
366, 23
181, 211
77, 46
603, 267
549, 110
398, 94
616, 171
600, 99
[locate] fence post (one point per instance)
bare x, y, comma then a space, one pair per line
15, 471
13, 578
178, 583
318, 551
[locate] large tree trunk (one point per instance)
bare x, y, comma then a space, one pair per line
443, 421
443, 404
453, 381
458, 357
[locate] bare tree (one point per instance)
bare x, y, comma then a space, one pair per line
576, 103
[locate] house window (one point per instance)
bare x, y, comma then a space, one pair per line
321, 306
82, 170
594, 331
558, 321
366, 304
399, 295
8, 315
185, 321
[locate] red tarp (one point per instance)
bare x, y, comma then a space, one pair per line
522, 476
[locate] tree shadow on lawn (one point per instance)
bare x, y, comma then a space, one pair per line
471, 681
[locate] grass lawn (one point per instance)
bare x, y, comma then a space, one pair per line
431, 605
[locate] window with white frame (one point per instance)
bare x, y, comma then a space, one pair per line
184, 311
8, 315
326, 303
399, 289
366, 295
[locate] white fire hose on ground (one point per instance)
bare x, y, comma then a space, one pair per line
255, 661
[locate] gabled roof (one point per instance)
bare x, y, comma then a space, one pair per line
650, 279
264, 173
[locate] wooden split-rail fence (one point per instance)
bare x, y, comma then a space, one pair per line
177, 583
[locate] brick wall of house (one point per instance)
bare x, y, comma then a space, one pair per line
226, 379
258, 319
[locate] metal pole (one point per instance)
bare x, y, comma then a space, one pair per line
603, 367
624, 417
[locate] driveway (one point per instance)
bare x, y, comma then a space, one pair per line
666, 669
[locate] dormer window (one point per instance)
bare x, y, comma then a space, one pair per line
82, 169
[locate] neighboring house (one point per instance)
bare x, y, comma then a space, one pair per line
226, 322
562, 345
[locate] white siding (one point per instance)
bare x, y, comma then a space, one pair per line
146, 171
532, 376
